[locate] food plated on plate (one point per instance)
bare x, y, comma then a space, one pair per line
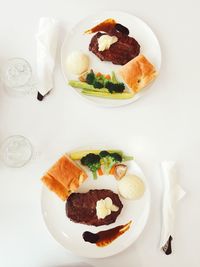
101, 85
131, 187
89, 208
78, 63
95, 207
111, 43
120, 50
138, 73
64, 177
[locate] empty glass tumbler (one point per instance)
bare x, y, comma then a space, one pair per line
16, 151
16, 75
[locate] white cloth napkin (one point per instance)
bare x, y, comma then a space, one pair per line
46, 38
172, 194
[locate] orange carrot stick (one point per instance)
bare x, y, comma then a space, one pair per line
112, 170
100, 172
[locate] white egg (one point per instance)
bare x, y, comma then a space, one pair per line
131, 187
77, 63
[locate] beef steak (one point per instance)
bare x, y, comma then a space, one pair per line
81, 207
121, 52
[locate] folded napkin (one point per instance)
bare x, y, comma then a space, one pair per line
172, 194
46, 38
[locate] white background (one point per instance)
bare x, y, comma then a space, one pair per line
162, 125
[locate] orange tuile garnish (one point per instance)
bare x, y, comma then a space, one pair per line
105, 26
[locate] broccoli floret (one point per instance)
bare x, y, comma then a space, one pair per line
117, 157
104, 153
115, 87
92, 161
98, 85
90, 78
119, 87
109, 159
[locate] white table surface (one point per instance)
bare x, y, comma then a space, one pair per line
162, 125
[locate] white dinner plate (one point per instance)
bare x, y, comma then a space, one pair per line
69, 234
77, 40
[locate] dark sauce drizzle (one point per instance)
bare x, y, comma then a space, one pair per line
121, 28
104, 238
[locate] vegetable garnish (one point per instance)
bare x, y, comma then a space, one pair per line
92, 161
104, 81
109, 160
100, 161
78, 155
107, 94
100, 172
101, 85
90, 78
119, 170
115, 87
112, 170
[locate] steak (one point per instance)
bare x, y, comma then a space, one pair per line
81, 207
121, 52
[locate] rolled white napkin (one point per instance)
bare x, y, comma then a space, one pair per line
172, 194
46, 38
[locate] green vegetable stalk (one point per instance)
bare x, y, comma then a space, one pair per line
103, 94
113, 78
82, 85
100, 83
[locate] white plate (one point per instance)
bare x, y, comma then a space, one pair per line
69, 234
77, 40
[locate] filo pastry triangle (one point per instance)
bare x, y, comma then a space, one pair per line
64, 177
138, 73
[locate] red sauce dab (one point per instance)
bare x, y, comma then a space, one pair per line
104, 238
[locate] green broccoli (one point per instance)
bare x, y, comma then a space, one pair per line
90, 78
102, 81
115, 87
116, 157
92, 161
109, 159
97, 84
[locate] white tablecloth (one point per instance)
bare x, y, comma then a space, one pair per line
162, 125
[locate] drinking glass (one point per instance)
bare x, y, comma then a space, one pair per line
16, 75
16, 151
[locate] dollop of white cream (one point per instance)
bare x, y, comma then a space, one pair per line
105, 41
131, 187
104, 207
77, 62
